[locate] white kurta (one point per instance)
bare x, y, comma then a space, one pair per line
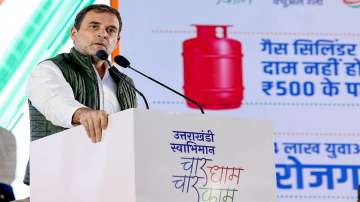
52, 95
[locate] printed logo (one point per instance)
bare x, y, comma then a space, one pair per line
352, 3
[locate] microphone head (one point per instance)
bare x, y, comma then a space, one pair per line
122, 61
102, 55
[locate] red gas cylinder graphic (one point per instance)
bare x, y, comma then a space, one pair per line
213, 68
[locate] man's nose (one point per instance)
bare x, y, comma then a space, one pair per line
102, 33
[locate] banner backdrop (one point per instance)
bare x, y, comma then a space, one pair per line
294, 62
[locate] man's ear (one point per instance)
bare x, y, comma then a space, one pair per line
117, 42
73, 32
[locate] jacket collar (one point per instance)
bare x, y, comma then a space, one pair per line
84, 61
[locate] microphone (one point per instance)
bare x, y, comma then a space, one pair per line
122, 61
102, 55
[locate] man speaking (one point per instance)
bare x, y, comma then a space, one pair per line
78, 87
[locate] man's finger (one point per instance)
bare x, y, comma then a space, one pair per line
91, 130
104, 120
97, 128
86, 126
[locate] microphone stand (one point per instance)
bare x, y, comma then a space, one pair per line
174, 91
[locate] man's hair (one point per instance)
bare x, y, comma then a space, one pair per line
98, 8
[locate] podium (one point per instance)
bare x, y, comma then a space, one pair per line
152, 156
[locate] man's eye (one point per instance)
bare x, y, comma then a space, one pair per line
112, 31
93, 26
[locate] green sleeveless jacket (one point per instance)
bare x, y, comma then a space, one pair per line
79, 72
